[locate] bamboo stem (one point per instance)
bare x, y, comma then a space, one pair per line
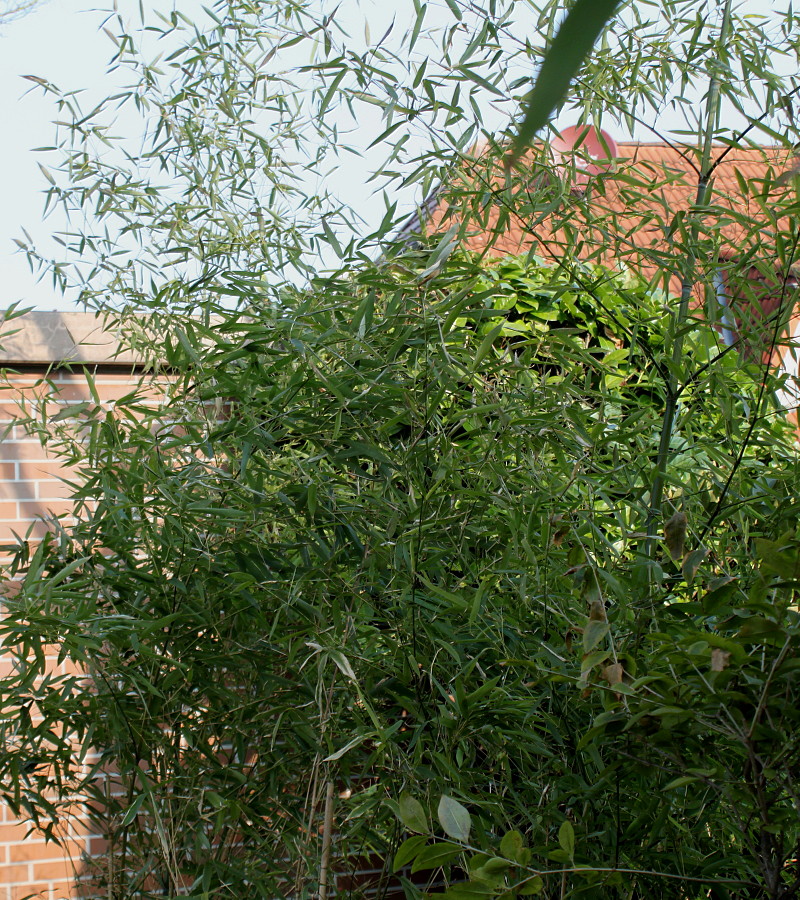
327, 835
713, 106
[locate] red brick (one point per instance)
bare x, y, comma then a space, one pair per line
26, 531
11, 411
61, 889
35, 849
8, 511
19, 892
12, 832
49, 490
17, 490
46, 468
16, 380
126, 373
48, 871
30, 509
14, 874
98, 846
77, 393
22, 450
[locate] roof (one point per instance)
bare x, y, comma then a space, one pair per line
638, 212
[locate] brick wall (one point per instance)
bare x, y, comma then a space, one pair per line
46, 355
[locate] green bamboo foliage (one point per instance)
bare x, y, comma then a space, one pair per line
483, 570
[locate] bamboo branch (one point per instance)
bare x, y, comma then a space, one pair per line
713, 107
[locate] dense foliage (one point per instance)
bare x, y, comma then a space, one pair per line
390, 539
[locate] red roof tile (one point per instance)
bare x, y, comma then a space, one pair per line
639, 213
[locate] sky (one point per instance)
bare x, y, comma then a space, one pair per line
62, 41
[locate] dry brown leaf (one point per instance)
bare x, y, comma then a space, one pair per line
597, 611
614, 673
675, 535
719, 659
559, 529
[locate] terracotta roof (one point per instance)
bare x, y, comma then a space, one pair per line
638, 213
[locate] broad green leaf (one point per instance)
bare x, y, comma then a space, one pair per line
490, 878
533, 885
454, 818
757, 628
408, 850
412, 814
719, 592
692, 563
590, 660
512, 846
495, 865
566, 838
780, 558
434, 856
593, 633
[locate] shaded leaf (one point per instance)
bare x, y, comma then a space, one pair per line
533, 885
512, 846
566, 838
408, 850
454, 818
434, 856
692, 563
465, 891
411, 814
593, 633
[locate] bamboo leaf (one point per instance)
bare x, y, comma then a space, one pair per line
575, 39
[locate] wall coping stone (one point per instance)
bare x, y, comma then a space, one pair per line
63, 338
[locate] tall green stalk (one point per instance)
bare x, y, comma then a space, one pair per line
687, 283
